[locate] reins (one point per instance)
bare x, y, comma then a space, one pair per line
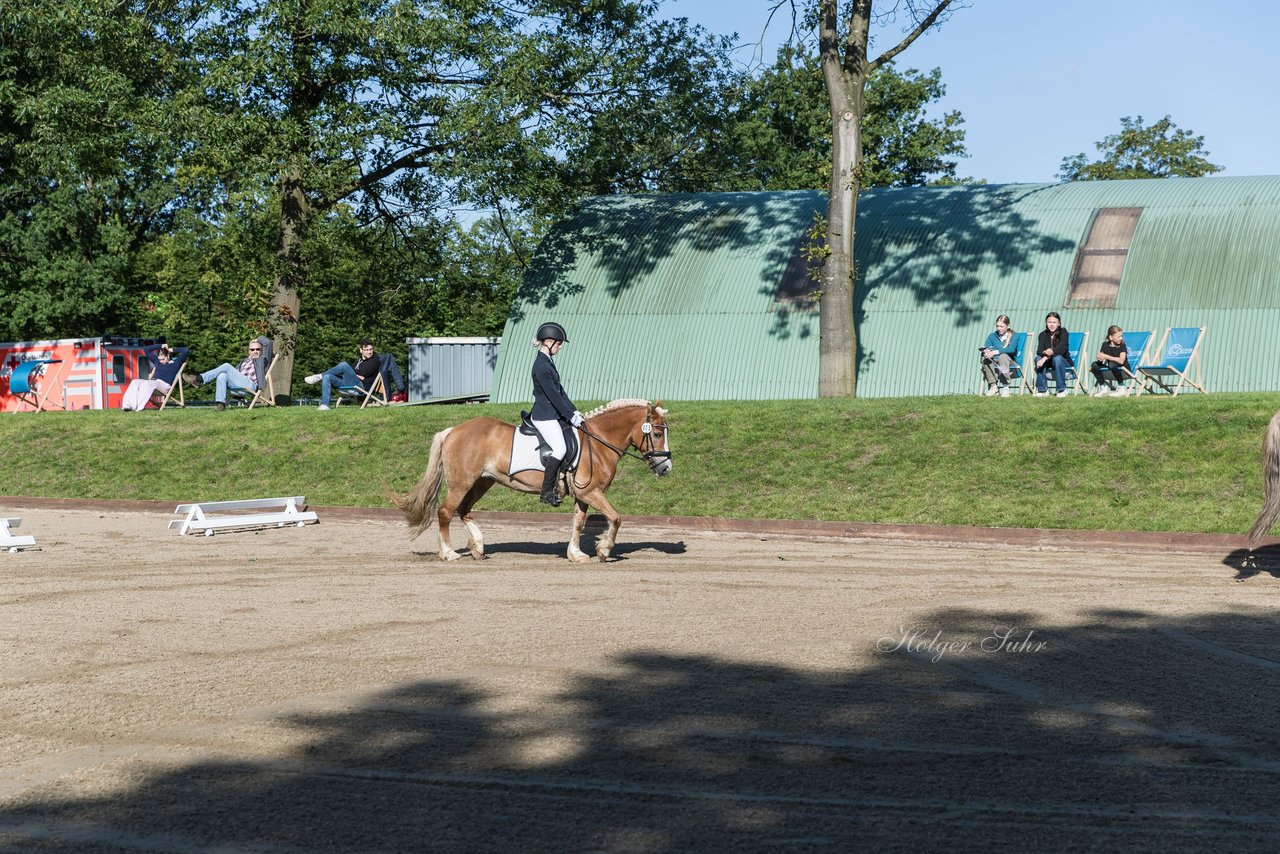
647, 457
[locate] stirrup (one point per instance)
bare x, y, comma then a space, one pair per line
550, 498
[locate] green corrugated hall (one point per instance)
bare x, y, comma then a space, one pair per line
707, 296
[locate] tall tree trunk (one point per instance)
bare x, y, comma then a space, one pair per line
296, 209
844, 71
291, 275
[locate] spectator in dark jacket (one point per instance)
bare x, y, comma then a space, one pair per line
365, 372
1051, 354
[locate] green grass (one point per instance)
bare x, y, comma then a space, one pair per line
1145, 464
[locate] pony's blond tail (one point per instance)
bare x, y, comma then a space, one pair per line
1270, 479
419, 504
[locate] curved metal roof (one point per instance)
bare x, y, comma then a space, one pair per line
693, 296
682, 296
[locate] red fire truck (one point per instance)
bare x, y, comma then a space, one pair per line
92, 373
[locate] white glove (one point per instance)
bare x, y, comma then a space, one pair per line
577, 420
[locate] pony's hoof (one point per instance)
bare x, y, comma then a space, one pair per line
450, 556
477, 554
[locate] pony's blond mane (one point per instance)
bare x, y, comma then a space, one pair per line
617, 404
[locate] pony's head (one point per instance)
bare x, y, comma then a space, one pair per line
645, 424
653, 444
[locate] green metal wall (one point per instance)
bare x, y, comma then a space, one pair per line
677, 296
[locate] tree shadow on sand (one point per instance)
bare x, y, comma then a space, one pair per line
1120, 730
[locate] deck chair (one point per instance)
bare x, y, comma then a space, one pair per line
264, 394
376, 395
167, 398
23, 385
1136, 346
1017, 371
1077, 346
1179, 357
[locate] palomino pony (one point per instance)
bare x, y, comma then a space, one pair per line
1270, 479
474, 455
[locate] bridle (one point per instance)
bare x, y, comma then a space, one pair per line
649, 453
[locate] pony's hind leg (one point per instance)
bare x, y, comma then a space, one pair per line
445, 514
475, 537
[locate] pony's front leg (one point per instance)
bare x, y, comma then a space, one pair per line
576, 554
610, 536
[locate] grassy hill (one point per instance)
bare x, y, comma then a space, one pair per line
1149, 463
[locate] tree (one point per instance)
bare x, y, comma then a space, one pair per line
1158, 151
403, 111
88, 147
773, 132
844, 36
782, 128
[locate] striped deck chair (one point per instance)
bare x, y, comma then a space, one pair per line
32, 383
1178, 362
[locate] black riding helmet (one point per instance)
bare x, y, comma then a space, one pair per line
552, 330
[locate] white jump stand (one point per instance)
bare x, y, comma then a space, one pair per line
199, 517
11, 543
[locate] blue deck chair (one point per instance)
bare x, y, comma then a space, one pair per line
265, 393
1017, 371
376, 394
22, 382
1077, 346
1136, 345
1178, 358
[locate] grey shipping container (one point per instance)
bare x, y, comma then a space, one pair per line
451, 367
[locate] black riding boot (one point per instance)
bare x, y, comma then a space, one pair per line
548, 495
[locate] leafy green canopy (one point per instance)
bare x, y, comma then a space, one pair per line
156, 155
1161, 150
88, 154
773, 132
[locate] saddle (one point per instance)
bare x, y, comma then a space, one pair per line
570, 442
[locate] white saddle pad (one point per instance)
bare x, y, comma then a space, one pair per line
524, 453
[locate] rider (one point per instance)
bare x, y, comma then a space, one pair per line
551, 406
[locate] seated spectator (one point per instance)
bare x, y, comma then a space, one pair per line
364, 373
999, 353
166, 362
1112, 359
246, 376
1052, 355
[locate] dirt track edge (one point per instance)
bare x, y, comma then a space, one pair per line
1128, 541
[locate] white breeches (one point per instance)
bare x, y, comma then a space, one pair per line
554, 436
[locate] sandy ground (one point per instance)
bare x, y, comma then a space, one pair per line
337, 688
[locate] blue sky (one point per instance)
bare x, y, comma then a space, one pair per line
1037, 81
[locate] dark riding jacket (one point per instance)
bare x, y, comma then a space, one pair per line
549, 399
